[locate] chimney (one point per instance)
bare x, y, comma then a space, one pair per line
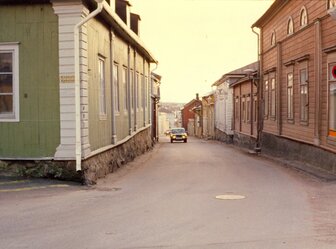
135, 21
122, 9
197, 96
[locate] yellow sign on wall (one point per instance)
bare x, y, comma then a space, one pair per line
70, 78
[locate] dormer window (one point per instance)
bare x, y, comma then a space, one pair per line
290, 26
331, 4
273, 39
304, 17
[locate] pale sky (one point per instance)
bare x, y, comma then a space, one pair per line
197, 41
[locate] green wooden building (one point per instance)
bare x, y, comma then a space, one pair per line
75, 84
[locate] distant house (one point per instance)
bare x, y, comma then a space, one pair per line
243, 82
156, 81
223, 109
298, 81
208, 115
188, 114
74, 88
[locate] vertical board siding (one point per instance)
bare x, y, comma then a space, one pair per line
37, 133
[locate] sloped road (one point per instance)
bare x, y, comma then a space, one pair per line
167, 199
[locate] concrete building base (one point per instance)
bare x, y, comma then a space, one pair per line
290, 150
93, 168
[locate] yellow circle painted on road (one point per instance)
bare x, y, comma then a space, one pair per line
230, 197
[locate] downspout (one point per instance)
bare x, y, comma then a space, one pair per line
129, 90
278, 87
318, 55
144, 92
113, 121
77, 83
151, 121
259, 90
135, 91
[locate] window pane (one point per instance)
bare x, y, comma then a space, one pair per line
6, 104
273, 97
125, 88
303, 76
6, 62
332, 110
102, 86
6, 83
266, 98
116, 88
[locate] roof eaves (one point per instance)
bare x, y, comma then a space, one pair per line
126, 32
270, 12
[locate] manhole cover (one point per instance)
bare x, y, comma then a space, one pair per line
230, 197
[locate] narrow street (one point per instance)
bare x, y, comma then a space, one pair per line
167, 199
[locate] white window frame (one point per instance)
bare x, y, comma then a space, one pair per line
273, 98
290, 96
14, 49
102, 88
290, 26
331, 108
303, 13
116, 85
331, 4
273, 39
304, 95
125, 88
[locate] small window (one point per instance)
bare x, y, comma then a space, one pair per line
243, 109
125, 86
331, 4
116, 88
237, 108
332, 100
290, 105
273, 39
248, 109
273, 97
303, 17
304, 95
290, 26
146, 92
132, 89
9, 83
102, 89
266, 98
138, 92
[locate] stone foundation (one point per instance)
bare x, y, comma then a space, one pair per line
276, 146
223, 137
109, 161
93, 168
244, 141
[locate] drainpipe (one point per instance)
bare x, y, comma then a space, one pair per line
151, 92
77, 83
129, 90
135, 91
259, 90
114, 136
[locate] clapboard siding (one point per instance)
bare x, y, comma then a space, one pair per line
36, 135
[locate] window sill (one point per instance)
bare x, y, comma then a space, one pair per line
102, 117
290, 121
304, 123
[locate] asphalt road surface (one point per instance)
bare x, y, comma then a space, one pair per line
167, 199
